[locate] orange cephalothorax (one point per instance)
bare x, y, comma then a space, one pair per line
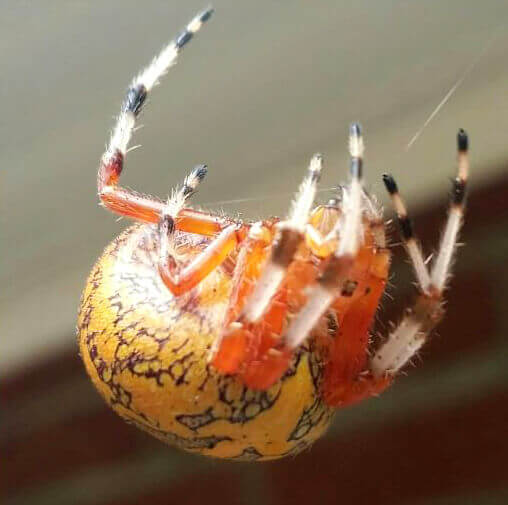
238, 340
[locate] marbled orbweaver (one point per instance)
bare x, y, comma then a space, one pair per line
239, 340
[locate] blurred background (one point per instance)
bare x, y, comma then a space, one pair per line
264, 86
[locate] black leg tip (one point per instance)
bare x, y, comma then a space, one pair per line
206, 14
200, 172
355, 130
462, 141
390, 184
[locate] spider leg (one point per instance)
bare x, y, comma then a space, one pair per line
180, 280
234, 347
335, 276
260, 368
127, 202
256, 352
351, 267
256, 314
289, 236
407, 338
346, 378
376, 222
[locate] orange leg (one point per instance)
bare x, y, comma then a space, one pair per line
131, 204
128, 203
257, 354
179, 281
240, 343
248, 349
250, 345
255, 351
347, 379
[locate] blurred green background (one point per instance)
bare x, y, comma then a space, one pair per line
261, 88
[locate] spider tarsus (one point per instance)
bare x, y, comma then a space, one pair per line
206, 14
187, 34
200, 171
405, 225
355, 130
462, 141
390, 184
192, 181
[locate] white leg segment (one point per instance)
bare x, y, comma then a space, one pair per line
405, 341
143, 84
401, 346
350, 231
309, 316
288, 238
302, 204
442, 266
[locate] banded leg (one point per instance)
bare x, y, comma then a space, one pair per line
361, 257
289, 236
180, 280
256, 315
407, 338
350, 230
124, 201
273, 354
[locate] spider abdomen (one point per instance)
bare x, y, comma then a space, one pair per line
147, 353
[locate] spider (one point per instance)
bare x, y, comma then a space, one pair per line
240, 340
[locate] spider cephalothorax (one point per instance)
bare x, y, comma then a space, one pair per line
238, 339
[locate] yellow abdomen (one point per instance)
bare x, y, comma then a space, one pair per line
147, 353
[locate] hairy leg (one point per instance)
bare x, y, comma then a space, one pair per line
127, 202
351, 234
408, 337
248, 345
177, 279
